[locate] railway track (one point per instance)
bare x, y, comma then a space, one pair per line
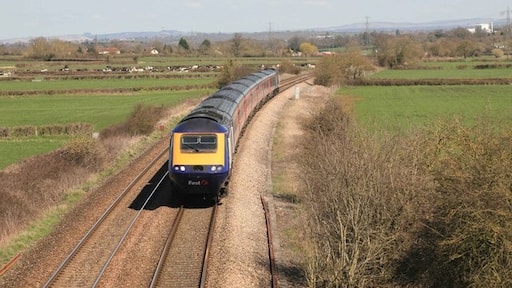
88, 261
184, 259
290, 82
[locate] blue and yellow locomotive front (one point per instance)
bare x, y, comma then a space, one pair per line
199, 156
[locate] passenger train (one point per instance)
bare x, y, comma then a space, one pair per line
203, 143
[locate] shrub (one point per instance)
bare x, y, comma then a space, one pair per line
288, 67
472, 169
337, 69
231, 72
431, 209
23, 131
143, 119
498, 53
24, 199
84, 152
4, 132
362, 195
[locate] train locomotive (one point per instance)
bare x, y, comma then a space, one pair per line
203, 143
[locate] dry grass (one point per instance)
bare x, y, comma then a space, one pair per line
431, 209
31, 188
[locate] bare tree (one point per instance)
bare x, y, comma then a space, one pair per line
396, 51
236, 44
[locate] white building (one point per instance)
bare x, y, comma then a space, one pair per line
486, 28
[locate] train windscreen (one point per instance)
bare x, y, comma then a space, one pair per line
198, 143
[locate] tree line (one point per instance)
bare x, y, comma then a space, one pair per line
388, 49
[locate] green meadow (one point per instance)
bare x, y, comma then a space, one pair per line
107, 83
404, 107
14, 150
445, 73
99, 110
450, 70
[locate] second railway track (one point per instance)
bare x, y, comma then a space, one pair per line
185, 256
87, 262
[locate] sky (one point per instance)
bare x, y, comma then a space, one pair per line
47, 18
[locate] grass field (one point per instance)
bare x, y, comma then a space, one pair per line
99, 110
450, 72
18, 149
397, 108
444, 73
102, 84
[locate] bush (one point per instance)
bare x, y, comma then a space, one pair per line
472, 168
4, 132
432, 209
232, 72
25, 198
362, 195
498, 53
84, 152
337, 69
141, 121
288, 67
23, 131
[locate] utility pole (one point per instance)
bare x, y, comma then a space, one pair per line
269, 35
367, 33
269, 31
507, 33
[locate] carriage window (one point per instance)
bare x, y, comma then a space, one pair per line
198, 143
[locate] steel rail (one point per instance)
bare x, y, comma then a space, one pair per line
273, 267
165, 250
10, 264
128, 229
209, 241
100, 220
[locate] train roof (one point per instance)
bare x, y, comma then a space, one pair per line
221, 105
200, 125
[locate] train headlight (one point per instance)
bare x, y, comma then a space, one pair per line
216, 168
179, 168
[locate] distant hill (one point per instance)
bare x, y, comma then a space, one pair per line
428, 26
174, 35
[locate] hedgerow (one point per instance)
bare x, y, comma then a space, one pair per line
429, 209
